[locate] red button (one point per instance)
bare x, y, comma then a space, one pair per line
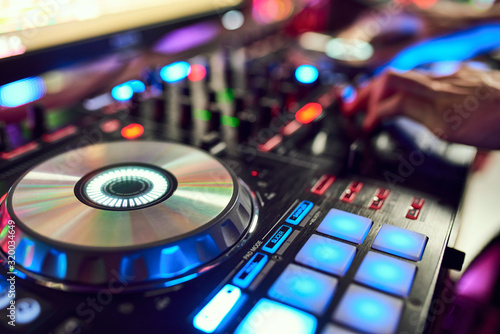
412, 213
290, 128
376, 203
110, 125
271, 144
59, 134
348, 196
417, 202
382, 193
323, 184
19, 151
355, 186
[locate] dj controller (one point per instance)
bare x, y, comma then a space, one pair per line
243, 202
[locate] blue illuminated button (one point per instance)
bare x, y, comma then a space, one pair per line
369, 311
304, 288
300, 212
333, 329
277, 239
400, 242
210, 317
28, 309
345, 225
386, 273
306, 74
270, 317
327, 255
246, 275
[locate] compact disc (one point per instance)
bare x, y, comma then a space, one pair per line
123, 194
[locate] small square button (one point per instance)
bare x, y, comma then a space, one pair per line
369, 311
304, 288
345, 225
412, 213
355, 186
348, 196
386, 273
328, 255
382, 193
400, 242
376, 203
270, 317
417, 202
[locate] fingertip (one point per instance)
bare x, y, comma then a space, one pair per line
347, 109
368, 124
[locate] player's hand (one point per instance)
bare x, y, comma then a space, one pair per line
463, 107
446, 16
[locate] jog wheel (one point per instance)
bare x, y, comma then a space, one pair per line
146, 213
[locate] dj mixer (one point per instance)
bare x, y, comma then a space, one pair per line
241, 201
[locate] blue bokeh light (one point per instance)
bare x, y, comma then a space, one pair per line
136, 85
122, 92
386, 273
22, 91
175, 72
306, 74
327, 255
349, 94
457, 46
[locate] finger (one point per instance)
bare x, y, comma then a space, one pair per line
420, 110
388, 107
389, 84
355, 100
420, 85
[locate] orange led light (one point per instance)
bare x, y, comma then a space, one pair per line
132, 131
308, 113
269, 11
424, 3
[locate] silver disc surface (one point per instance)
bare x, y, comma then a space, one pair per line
44, 199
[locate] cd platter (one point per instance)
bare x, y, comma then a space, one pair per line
153, 212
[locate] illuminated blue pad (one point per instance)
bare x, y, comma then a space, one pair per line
386, 273
304, 288
210, 316
334, 329
345, 225
327, 255
369, 311
270, 317
28, 309
400, 242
